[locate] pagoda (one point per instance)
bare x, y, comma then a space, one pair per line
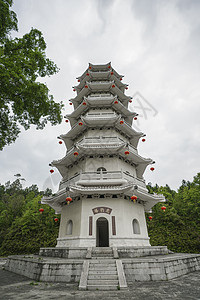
102, 197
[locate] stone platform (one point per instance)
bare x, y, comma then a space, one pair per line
103, 268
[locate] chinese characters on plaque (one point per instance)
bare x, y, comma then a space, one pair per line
105, 210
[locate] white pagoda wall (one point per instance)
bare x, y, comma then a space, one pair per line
123, 210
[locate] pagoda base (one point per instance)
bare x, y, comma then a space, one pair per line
138, 263
91, 242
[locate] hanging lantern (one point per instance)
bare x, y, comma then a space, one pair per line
86, 86
130, 101
60, 142
121, 122
113, 85
126, 88
84, 103
152, 169
75, 153
126, 152
111, 73
133, 198
163, 208
78, 80
41, 210
109, 67
150, 218
120, 79
87, 74
74, 90
143, 140
116, 102
135, 118
90, 67
70, 103
80, 123
68, 199
51, 171
56, 219
66, 121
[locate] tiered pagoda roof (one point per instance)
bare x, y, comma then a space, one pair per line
100, 104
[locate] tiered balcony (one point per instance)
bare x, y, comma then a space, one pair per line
102, 178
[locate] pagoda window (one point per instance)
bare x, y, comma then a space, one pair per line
69, 227
101, 169
136, 226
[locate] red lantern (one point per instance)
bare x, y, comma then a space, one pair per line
116, 102
87, 74
56, 219
143, 140
109, 67
135, 118
126, 88
80, 123
86, 86
111, 73
150, 218
126, 152
41, 210
113, 85
133, 198
75, 153
60, 142
51, 171
163, 208
66, 121
90, 67
121, 122
74, 90
120, 79
152, 169
68, 199
84, 103
70, 103
78, 80
130, 101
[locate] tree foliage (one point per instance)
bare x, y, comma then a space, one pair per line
24, 100
22, 228
179, 226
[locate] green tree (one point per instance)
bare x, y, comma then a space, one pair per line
24, 100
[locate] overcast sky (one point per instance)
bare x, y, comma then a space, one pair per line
154, 44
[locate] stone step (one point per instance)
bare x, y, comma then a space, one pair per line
102, 255
102, 277
102, 288
102, 252
102, 261
102, 272
99, 267
102, 282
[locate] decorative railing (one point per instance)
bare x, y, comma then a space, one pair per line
100, 115
101, 176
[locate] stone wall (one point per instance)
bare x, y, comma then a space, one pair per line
160, 269
64, 252
131, 252
52, 271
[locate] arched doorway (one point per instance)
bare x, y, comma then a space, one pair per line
102, 235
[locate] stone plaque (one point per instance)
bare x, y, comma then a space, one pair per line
102, 209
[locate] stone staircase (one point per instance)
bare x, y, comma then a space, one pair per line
102, 271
